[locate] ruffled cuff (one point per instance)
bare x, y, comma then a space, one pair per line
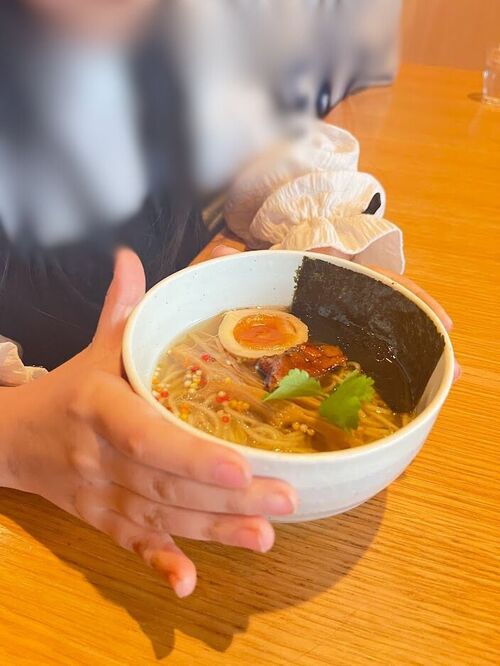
12, 370
361, 238
341, 210
324, 148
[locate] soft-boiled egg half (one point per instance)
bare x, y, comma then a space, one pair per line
255, 332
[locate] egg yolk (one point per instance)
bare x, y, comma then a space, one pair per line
263, 331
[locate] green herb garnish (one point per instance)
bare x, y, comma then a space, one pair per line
296, 384
343, 405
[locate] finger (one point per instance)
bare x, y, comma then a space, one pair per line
421, 293
457, 371
223, 250
261, 497
135, 429
125, 291
252, 532
331, 252
157, 550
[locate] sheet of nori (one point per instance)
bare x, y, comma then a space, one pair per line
392, 338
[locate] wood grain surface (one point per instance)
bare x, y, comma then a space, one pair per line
451, 33
411, 577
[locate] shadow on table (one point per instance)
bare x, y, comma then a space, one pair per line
233, 585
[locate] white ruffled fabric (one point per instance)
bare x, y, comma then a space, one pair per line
12, 370
324, 148
326, 210
309, 194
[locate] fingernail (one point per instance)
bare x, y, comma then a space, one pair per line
182, 588
254, 539
249, 538
222, 250
231, 475
279, 504
448, 323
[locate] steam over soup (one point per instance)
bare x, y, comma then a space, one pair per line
255, 377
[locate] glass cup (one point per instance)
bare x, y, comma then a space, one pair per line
491, 77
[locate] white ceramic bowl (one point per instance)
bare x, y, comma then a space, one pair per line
327, 483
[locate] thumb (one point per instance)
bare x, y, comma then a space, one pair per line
125, 291
223, 251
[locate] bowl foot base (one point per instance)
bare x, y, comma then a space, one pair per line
316, 516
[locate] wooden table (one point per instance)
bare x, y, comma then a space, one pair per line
408, 578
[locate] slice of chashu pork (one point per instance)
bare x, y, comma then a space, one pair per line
317, 360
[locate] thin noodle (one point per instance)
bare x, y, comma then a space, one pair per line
266, 425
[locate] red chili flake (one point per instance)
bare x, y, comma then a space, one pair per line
164, 393
194, 368
206, 358
225, 418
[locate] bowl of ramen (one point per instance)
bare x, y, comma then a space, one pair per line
319, 371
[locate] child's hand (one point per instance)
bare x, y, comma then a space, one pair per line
81, 438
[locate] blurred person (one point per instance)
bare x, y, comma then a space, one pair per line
117, 120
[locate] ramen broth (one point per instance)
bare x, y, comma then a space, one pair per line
203, 384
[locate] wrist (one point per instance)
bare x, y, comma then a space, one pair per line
10, 454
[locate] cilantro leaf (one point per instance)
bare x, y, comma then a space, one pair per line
296, 384
343, 405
